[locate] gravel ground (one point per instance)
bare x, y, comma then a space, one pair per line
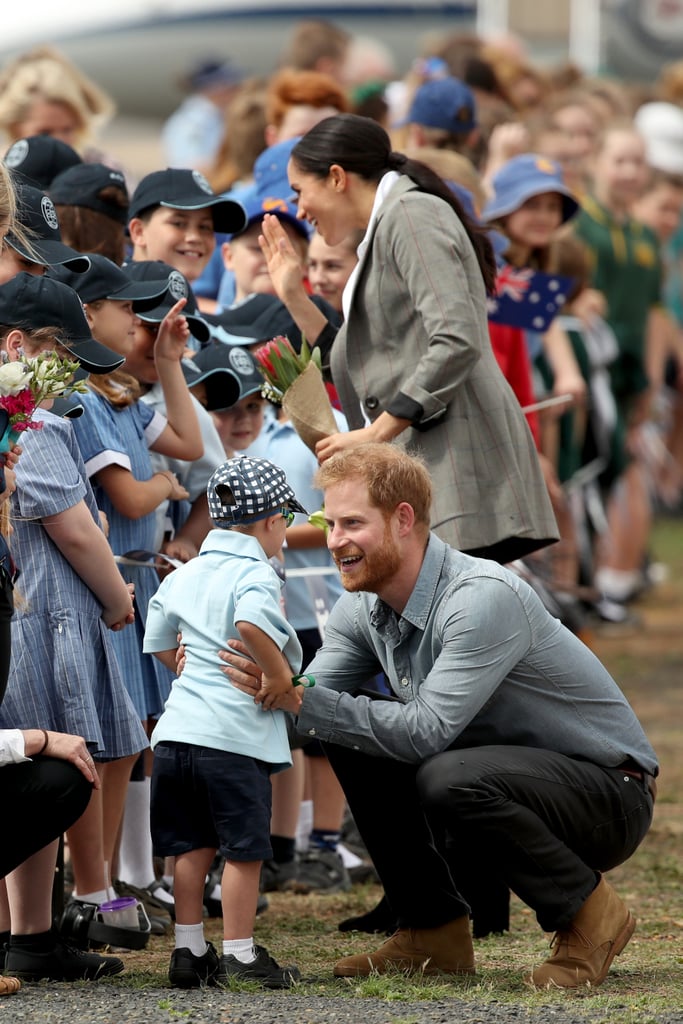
111, 1004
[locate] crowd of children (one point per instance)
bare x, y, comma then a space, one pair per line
140, 490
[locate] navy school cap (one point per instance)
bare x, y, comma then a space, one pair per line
83, 186
229, 373
221, 386
182, 189
177, 287
244, 488
105, 280
207, 74
40, 158
259, 318
69, 407
36, 213
29, 302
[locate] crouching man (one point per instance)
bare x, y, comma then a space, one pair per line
508, 741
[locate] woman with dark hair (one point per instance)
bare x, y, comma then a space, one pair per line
413, 359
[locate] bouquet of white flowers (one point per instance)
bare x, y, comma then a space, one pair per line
24, 385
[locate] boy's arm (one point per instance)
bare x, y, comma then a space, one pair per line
276, 670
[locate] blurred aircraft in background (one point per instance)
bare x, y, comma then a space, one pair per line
139, 50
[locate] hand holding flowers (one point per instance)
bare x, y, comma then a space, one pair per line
27, 383
295, 380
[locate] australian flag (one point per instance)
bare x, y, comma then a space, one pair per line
527, 298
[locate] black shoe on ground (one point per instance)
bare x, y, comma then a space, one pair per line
380, 919
322, 871
189, 971
263, 970
63, 962
278, 876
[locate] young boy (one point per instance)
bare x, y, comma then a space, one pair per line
226, 381
215, 749
174, 216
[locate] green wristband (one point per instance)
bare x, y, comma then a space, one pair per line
303, 680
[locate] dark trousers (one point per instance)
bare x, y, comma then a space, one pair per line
42, 798
535, 821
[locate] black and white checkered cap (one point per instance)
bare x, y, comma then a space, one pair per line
244, 487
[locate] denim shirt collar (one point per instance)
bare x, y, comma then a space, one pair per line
419, 606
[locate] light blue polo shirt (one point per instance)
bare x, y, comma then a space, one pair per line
229, 581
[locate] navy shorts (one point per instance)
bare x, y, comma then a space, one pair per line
206, 798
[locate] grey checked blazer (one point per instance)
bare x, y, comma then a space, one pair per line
416, 344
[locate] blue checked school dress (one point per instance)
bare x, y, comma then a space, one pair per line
64, 674
122, 437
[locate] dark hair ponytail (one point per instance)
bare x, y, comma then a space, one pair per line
361, 146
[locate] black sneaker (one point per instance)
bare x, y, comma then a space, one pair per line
277, 876
189, 971
263, 970
322, 871
64, 962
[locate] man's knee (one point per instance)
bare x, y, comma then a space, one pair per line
60, 788
444, 779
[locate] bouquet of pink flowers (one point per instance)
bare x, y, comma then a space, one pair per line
24, 385
295, 380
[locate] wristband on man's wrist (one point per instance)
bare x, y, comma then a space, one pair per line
46, 740
303, 680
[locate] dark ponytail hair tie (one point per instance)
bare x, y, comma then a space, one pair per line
397, 161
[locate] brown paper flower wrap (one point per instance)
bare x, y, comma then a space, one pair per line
295, 380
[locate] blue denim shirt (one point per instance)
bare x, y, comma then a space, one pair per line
475, 659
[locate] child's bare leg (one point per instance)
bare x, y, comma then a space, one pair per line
239, 893
191, 870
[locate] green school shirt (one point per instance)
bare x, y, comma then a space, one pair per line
627, 269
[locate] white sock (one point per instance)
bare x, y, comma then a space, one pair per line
136, 857
101, 896
191, 936
619, 584
350, 859
169, 881
160, 893
242, 949
304, 826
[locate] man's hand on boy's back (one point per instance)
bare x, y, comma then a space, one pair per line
276, 694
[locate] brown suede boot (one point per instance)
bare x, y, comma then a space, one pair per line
8, 986
582, 954
444, 950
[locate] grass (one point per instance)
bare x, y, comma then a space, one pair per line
645, 982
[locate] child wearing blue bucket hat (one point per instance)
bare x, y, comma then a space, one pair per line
530, 202
529, 205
